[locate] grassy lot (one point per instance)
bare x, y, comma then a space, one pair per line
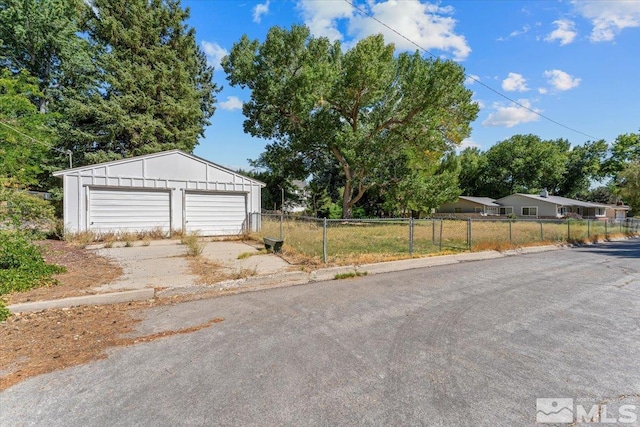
368, 241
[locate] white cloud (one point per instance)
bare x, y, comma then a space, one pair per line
543, 90
259, 10
214, 53
232, 103
525, 29
515, 83
321, 17
565, 32
561, 80
512, 115
429, 25
609, 17
468, 143
471, 79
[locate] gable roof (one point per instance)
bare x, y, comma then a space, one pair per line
557, 200
64, 172
486, 201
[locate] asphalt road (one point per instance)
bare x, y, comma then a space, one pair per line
471, 344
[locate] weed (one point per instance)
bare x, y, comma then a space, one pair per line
349, 275
245, 255
146, 241
243, 273
194, 245
128, 244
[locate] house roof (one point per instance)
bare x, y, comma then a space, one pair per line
150, 156
562, 201
486, 201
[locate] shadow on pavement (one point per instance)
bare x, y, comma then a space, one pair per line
623, 249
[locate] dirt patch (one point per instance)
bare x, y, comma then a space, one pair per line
45, 341
210, 272
85, 270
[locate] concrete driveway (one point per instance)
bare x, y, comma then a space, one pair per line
163, 263
467, 344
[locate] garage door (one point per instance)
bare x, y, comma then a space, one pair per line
215, 214
125, 210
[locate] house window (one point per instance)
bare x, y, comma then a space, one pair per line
505, 210
561, 210
529, 211
457, 210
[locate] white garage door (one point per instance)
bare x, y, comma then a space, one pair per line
215, 214
126, 210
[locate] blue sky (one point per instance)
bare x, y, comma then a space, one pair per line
576, 62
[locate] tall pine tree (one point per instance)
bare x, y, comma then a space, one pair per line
156, 90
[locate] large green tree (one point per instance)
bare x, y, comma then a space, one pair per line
625, 149
525, 163
26, 136
373, 111
42, 37
629, 185
155, 88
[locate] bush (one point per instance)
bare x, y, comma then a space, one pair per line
22, 266
22, 211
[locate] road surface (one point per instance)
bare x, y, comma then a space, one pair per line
471, 344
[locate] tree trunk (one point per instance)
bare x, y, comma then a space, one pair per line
347, 205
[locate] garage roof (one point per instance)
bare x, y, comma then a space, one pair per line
150, 156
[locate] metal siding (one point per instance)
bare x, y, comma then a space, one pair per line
113, 210
215, 214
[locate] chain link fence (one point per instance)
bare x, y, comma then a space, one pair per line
330, 240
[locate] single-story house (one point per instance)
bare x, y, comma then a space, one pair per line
171, 190
548, 206
467, 204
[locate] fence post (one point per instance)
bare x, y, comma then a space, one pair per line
433, 231
469, 233
605, 228
541, 233
568, 229
588, 229
324, 241
281, 223
411, 236
441, 221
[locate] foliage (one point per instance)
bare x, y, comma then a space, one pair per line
272, 194
625, 149
25, 135
42, 37
155, 88
372, 112
629, 183
526, 163
21, 265
193, 243
602, 194
22, 211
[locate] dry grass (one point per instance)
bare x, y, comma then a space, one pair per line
85, 238
194, 245
210, 272
358, 242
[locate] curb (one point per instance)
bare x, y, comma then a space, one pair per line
278, 280
98, 299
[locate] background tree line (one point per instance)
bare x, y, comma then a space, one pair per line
104, 79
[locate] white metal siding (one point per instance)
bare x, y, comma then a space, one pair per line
127, 210
215, 214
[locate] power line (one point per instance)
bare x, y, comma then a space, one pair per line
539, 114
44, 144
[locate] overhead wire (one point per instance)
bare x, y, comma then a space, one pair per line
469, 76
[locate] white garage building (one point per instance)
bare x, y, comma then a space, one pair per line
170, 190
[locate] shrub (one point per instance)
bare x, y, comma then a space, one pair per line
21, 210
194, 246
21, 265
